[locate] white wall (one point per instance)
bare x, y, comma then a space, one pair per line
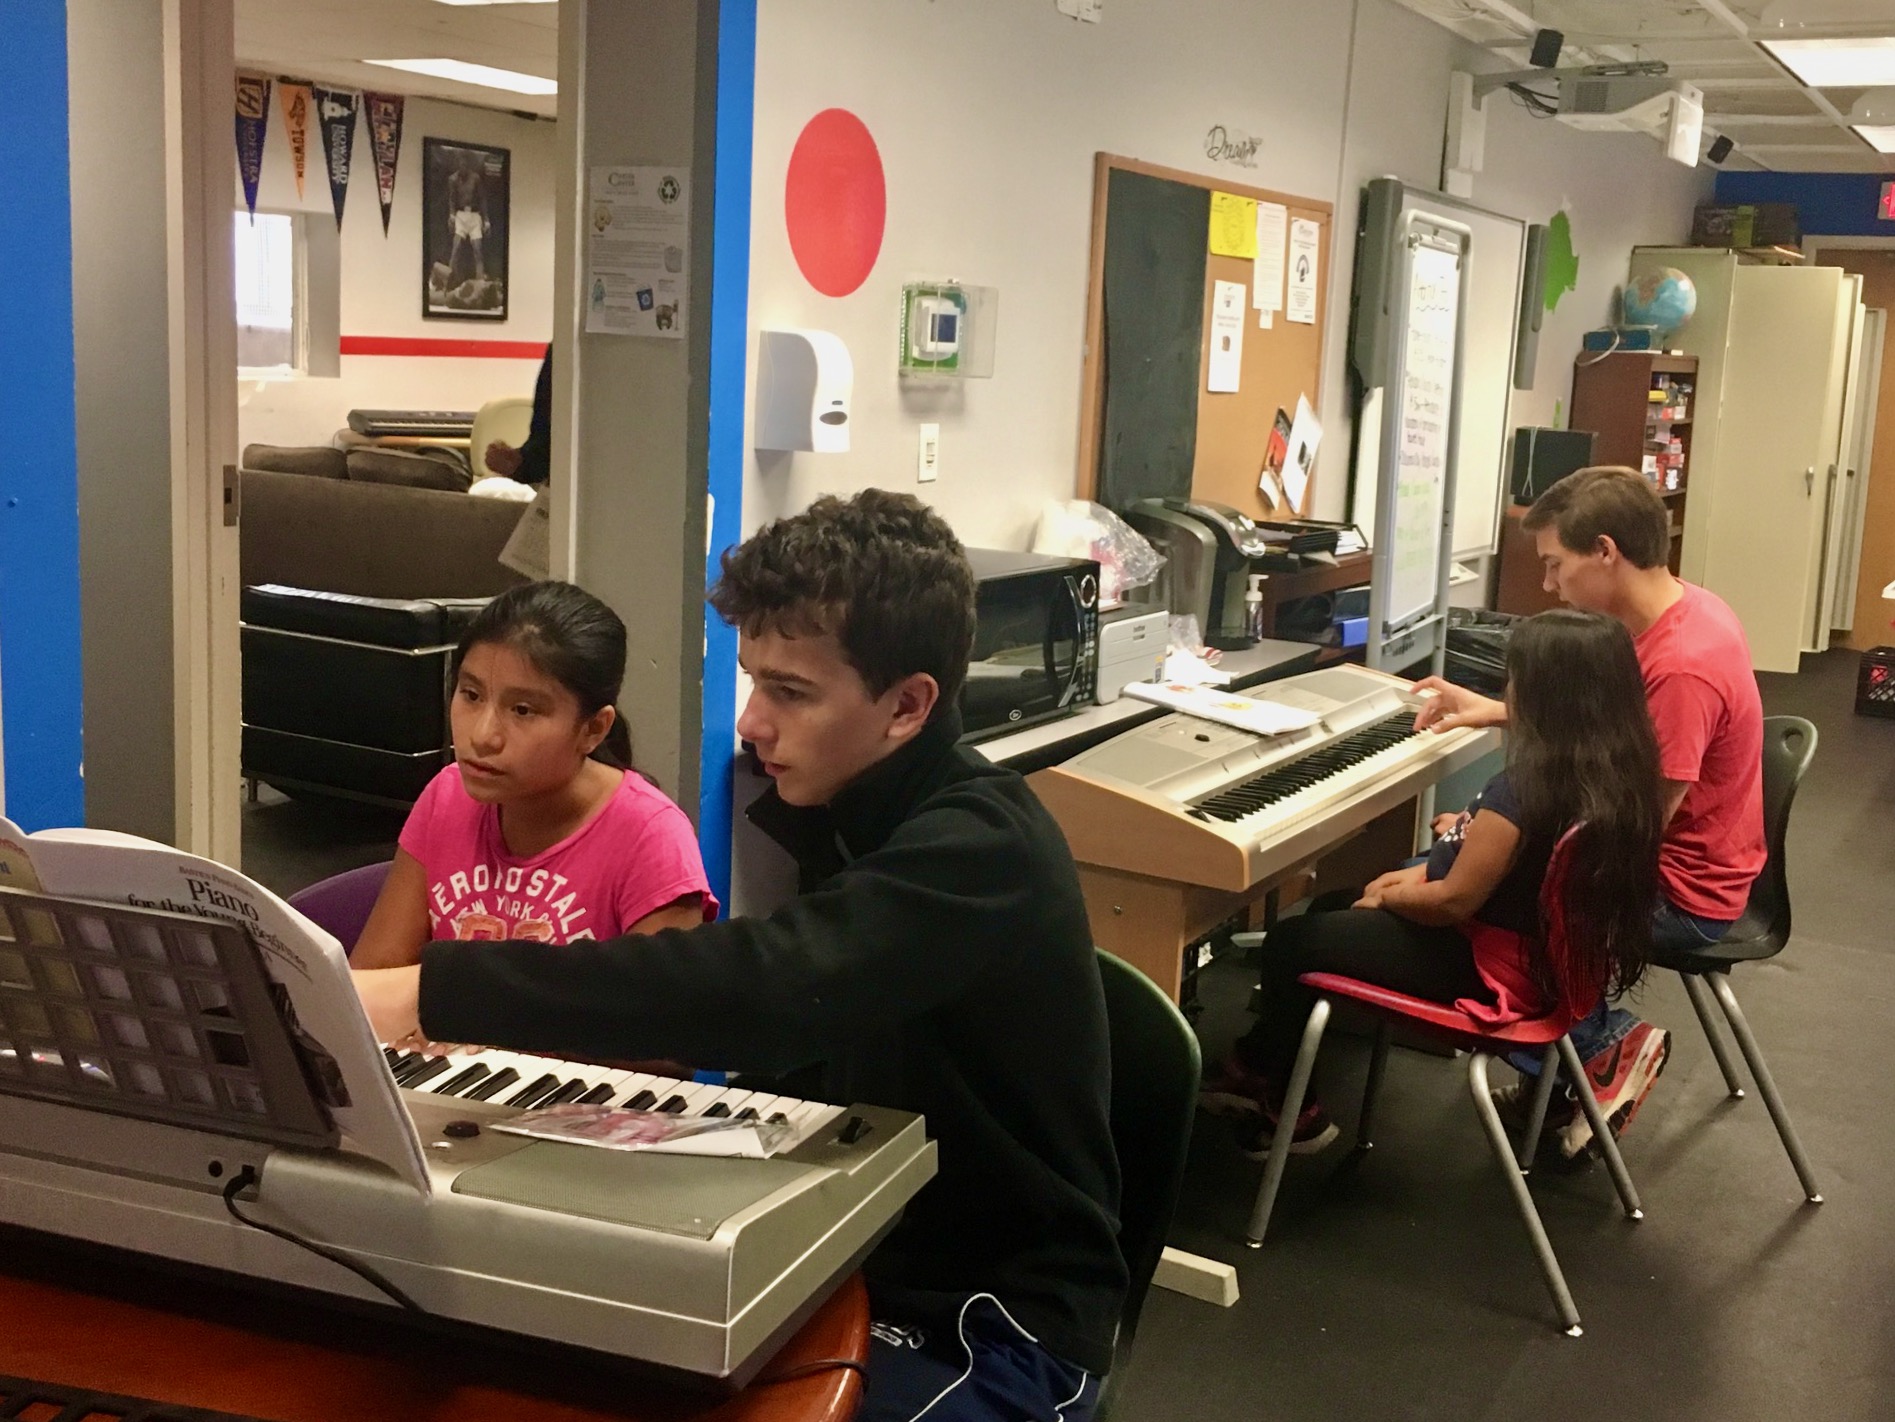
1618, 191
381, 275
989, 171
988, 114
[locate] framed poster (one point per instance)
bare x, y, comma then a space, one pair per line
464, 221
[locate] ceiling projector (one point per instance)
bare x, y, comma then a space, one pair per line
1638, 103
1607, 98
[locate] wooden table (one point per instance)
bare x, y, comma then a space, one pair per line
73, 1317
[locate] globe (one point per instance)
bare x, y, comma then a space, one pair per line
1665, 298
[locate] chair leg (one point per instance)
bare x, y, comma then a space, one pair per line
1378, 1065
1747, 1044
1701, 1004
1522, 1197
1286, 1121
1542, 1098
1601, 1129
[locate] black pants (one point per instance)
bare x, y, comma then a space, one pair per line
1371, 944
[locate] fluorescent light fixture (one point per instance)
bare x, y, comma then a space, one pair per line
1880, 137
1838, 63
1874, 106
466, 73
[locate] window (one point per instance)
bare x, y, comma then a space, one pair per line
269, 314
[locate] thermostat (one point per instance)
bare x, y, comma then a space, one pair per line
934, 329
947, 330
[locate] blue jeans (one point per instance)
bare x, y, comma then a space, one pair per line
1607, 1025
989, 1369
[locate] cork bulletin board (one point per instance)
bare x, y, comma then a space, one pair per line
1148, 424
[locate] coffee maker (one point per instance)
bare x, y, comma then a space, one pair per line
1211, 551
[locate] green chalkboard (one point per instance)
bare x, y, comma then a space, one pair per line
1156, 243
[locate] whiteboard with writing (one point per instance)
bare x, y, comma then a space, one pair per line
1425, 426
1493, 265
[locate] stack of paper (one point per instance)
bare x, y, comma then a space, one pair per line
1246, 713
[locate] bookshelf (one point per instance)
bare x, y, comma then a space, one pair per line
1640, 405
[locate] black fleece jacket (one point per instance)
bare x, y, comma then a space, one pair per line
938, 961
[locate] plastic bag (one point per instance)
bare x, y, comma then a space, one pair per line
1079, 528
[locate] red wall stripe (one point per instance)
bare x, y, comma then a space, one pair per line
434, 346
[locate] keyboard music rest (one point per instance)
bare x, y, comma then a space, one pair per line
116, 1323
1159, 872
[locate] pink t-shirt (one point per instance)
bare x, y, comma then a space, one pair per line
637, 854
1709, 721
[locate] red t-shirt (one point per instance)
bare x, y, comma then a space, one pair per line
1709, 720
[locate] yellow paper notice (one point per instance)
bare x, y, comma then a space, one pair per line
1233, 226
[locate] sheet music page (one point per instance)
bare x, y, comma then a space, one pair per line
111, 868
1246, 713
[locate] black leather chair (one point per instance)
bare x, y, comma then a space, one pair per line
347, 696
1789, 744
1155, 1071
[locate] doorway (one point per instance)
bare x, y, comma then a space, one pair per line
1870, 624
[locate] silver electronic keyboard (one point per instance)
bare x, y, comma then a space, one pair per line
1187, 799
153, 1121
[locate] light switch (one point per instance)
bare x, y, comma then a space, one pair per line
928, 454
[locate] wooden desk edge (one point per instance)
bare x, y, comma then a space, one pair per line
121, 1342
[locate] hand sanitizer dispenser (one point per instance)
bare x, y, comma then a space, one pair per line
804, 380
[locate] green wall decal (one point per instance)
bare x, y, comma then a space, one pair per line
1562, 262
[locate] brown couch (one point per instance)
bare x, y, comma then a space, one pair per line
373, 540
354, 596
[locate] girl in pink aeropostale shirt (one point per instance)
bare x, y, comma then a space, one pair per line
540, 830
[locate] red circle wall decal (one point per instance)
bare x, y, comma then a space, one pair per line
835, 202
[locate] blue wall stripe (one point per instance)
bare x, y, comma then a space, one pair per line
1827, 204
39, 476
730, 340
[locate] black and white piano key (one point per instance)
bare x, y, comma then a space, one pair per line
528, 1096
493, 1085
526, 1081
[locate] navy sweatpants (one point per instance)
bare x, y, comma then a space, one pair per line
987, 1370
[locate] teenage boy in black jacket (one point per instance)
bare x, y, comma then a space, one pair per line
938, 960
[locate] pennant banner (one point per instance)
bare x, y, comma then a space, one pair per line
384, 131
335, 115
253, 120
296, 101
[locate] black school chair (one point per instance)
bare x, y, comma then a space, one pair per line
1789, 744
1155, 1072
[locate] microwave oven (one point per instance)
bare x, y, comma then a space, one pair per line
1036, 640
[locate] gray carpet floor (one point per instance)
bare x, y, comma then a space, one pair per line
1402, 1287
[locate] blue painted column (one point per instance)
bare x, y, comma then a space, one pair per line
730, 324
39, 476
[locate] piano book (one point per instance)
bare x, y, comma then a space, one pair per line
106, 867
618, 1129
1207, 703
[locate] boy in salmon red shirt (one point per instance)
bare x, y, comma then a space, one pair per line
1603, 536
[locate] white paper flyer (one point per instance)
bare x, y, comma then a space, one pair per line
638, 246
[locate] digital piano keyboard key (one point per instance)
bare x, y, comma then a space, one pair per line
493, 1085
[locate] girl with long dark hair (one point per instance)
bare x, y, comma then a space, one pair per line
541, 829
1465, 926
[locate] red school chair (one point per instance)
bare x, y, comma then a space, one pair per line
1482, 1042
